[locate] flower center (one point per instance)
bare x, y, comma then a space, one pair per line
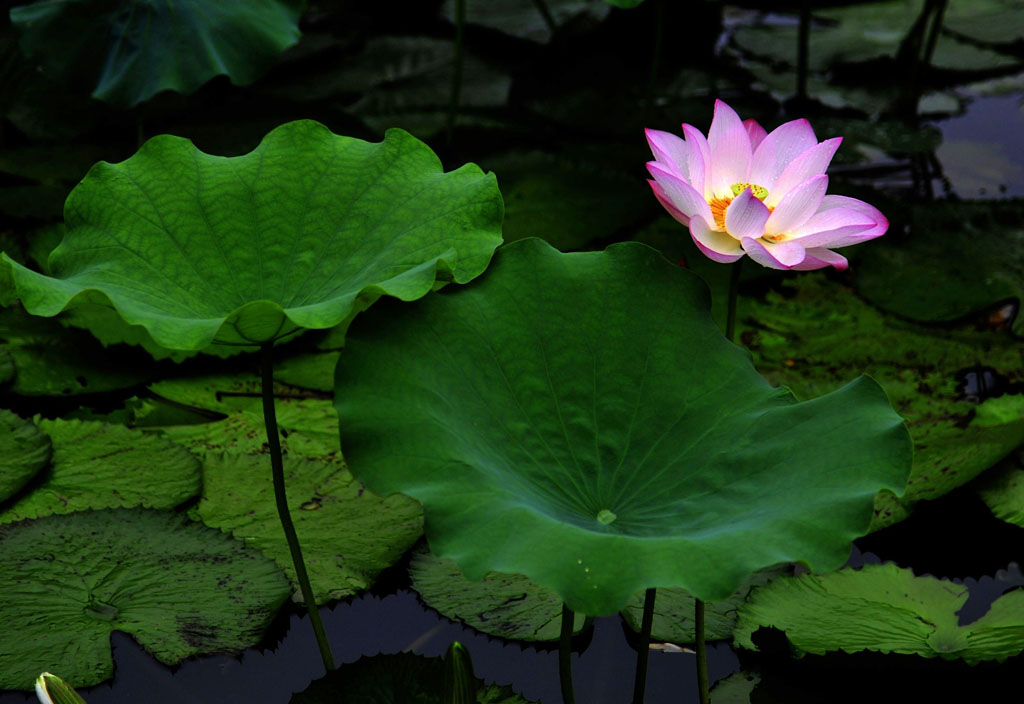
720, 205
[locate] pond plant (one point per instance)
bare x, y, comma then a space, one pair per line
579, 419
303, 232
575, 433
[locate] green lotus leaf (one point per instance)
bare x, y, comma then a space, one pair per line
38, 351
963, 257
179, 588
674, 609
308, 371
229, 417
404, 678
348, 534
96, 465
303, 232
1002, 489
24, 451
587, 405
504, 605
814, 335
882, 608
141, 47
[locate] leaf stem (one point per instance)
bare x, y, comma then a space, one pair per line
702, 651
277, 466
453, 99
565, 656
734, 292
803, 45
640, 683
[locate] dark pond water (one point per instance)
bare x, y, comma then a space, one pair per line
561, 99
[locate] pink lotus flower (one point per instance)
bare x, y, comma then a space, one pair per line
744, 191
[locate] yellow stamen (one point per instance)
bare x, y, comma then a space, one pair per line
720, 205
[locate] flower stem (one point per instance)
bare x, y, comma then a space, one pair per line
640, 683
456, 90
702, 651
734, 292
277, 466
565, 656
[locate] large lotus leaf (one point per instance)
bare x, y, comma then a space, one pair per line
233, 409
179, 588
404, 678
1002, 489
882, 608
815, 335
348, 535
587, 404
96, 465
24, 450
959, 258
132, 49
38, 351
505, 605
674, 610
304, 231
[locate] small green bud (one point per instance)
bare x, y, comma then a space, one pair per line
53, 690
459, 680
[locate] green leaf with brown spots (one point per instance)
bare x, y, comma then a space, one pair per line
179, 588
814, 335
348, 534
97, 465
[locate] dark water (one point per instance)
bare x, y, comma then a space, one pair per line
395, 623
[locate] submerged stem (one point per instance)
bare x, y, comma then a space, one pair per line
734, 292
640, 683
277, 466
453, 99
565, 656
702, 651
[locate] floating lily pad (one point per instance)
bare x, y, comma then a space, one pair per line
308, 371
817, 335
736, 688
96, 465
39, 348
1002, 489
959, 258
179, 588
674, 609
131, 51
882, 608
302, 232
307, 420
24, 451
504, 605
858, 33
404, 678
348, 535
587, 404
521, 18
